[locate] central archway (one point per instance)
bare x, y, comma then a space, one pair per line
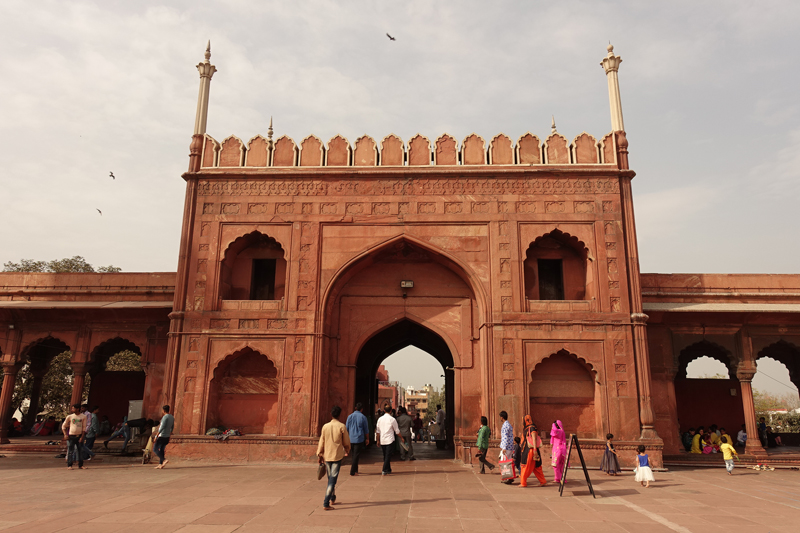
388, 341
404, 292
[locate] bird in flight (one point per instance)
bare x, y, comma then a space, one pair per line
111, 175
390, 37
101, 213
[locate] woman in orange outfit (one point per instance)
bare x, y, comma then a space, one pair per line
531, 442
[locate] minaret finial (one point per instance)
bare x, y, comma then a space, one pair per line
611, 65
553, 124
206, 70
269, 131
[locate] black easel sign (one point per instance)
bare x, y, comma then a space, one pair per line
573, 439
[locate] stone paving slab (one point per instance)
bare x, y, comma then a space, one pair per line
40, 495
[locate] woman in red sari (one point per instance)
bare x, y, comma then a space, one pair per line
531, 442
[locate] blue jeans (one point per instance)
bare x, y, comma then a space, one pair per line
74, 446
159, 447
333, 474
125, 431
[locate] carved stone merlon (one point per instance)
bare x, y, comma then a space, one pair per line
206, 70
611, 65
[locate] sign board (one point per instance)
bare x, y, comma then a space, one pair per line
573, 441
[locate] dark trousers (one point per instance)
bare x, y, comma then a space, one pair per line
74, 449
160, 447
387, 457
355, 450
482, 458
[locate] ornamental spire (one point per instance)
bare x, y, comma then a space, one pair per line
611, 65
206, 70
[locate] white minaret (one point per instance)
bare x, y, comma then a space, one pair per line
206, 70
611, 66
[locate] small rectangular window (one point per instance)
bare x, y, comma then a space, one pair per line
551, 279
262, 286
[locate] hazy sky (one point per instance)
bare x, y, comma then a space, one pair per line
709, 93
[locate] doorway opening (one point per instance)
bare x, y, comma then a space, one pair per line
375, 393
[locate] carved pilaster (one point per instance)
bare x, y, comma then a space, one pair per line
9, 380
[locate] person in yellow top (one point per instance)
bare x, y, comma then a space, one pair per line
696, 447
728, 453
334, 445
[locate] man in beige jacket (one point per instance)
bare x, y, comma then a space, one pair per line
334, 445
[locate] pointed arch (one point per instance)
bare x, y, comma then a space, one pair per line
346, 271
708, 349
555, 267
105, 350
253, 267
244, 393
786, 353
564, 386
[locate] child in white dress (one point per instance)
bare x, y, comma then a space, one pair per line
644, 474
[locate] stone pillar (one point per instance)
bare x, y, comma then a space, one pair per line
647, 416
79, 371
745, 372
36, 392
9, 380
611, 65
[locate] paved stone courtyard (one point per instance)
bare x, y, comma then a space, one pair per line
39, 494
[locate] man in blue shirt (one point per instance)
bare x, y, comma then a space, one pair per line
358, 428
162, 436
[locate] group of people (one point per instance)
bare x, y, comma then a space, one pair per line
710, 440
81, 428
338, 440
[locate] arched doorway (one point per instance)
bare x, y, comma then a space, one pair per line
116, 378
404, 292
387, 342
707, 390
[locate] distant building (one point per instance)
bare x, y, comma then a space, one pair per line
417, 400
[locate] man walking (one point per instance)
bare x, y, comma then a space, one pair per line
404, 423
358, 429
162, 437
334, 445
74, 429
386, 431
417, 428
506, 440
441, 441
92, 428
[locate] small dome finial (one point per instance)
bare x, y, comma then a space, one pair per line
553, 124
208, 50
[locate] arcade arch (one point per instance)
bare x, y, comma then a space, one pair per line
115, 377
703, 401
45, 361
253, 268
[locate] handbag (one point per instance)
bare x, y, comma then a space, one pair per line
321, 470
507, 471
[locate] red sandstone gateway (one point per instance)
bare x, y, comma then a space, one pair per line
304, 265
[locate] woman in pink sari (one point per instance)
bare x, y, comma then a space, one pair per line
558, 449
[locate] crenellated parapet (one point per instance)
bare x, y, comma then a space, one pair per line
392, 151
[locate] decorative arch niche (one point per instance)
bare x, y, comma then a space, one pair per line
555, 268
253, 268
243, 394
564, 387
